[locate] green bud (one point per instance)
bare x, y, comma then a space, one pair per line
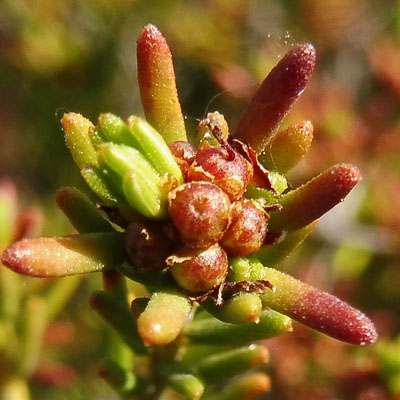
140, 195
142, 186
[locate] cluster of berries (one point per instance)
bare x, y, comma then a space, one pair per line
209, 211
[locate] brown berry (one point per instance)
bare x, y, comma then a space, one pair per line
228, 170
247, 230
200, 212
199, 270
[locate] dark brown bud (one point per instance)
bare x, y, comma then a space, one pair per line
147, 247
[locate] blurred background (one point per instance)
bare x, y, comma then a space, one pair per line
60, 56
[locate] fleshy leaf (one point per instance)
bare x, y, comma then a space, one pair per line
157, 85
120, 379
155, 148
221, 366
76, 129
163, 318
241, 308
312, 307
62, 256
8, 212
287, 148
275, 97
273, 255
214, 332
310, 201
248, 387
115, 130
97, 182
82, 213
188, 385
118, 315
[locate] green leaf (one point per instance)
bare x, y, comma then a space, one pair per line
82, 213
119, 317
212, 331
222, 366
76, 129
154, 148
186, 384
114, 129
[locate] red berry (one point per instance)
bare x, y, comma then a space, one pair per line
184, 154
228, 170
247, 230
199, 270
200, 212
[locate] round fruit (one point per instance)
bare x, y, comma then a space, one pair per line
200, 212
228, 170
199, 270
247, 230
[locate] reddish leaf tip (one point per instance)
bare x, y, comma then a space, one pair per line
150, 34
336, 318
299, 64
13, 257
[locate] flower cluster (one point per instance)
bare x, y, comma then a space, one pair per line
197, 225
